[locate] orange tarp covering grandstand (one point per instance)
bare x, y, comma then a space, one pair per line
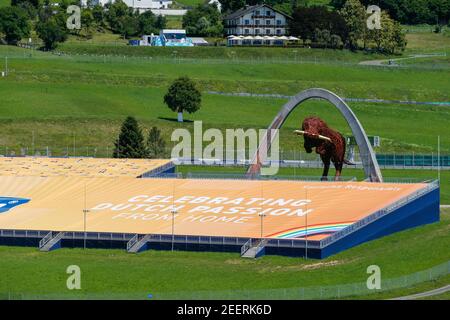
88, 167
203, 207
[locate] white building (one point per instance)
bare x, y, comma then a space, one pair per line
217, 3
144, 5
141, 5
258, 20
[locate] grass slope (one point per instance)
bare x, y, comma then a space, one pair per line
57, 97
110, 272
93, 112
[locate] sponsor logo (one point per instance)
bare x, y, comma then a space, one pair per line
7, 203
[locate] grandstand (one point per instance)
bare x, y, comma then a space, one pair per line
70, 202
82, 167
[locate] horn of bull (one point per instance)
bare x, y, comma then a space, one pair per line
301, 133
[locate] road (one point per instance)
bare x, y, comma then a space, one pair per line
385, 62
425, 294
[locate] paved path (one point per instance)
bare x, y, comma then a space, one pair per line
385, 62
425, 294
281, 96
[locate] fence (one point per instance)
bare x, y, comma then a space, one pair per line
317, 292
287, 158
342, 291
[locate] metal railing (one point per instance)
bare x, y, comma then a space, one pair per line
287, 158
246, 246
46, 239
132, 242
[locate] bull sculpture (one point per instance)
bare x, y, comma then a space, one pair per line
329, 144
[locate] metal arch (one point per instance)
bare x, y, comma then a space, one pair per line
369, 161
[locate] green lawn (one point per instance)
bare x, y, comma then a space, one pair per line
426, 42
59, 96
190, 3
4, 3
174, 22
115, 273
55, 111
422, 287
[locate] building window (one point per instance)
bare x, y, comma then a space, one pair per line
257, 22
257, 12
279, 22
267, 22
256, 31
278, 31
268, 13
247, 22
247, 31
267, 31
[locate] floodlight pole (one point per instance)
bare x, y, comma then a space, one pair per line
262, 216
306, 225
6, 66
85, 212
174, 212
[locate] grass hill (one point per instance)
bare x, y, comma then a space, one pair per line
114, 273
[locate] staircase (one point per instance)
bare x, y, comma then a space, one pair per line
253, 248
138, 243
51, 241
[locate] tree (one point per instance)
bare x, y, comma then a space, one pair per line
149, 23
183, 96
115, 14
389, 38
128, 26
14, 24
322, 37
30, 6
204, 21
98, 15
87, 21
18, 3
232, 5
355, 17
51, 32
306, 20
161, 22
156, 145
336, 42
130, 143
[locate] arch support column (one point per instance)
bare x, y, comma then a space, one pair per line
370, 164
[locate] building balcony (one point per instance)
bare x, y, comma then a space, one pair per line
262, 26
263, 17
